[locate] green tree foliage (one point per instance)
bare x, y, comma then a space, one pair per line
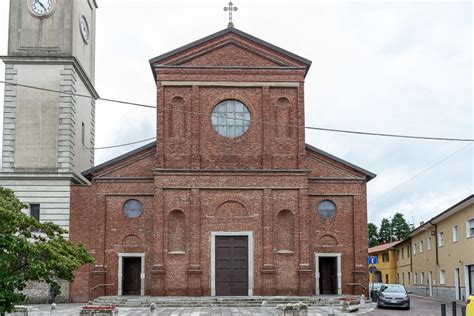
32, 251
400, 227
385, 232
373, 235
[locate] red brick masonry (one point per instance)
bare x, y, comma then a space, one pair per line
193, 181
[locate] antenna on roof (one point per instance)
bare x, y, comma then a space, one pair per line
230, 8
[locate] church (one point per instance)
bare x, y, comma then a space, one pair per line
229, 200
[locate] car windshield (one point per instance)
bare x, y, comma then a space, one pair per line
393, 288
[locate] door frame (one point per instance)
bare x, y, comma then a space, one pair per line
249, 236
430, 282
120, 271
457, 284
338, 265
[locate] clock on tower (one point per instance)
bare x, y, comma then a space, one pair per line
48, 137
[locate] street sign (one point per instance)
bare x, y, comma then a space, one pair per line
372, 259
372, 269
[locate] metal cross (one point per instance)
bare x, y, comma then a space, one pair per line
230, 8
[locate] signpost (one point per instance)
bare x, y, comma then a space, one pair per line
372, 259
372, 269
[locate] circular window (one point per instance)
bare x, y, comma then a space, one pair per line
326, 209
230, 118
132, 208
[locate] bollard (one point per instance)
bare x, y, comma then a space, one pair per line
463, 310
362, 301
331, 310
264, 308
152, 309
53, 309
443, 309
454, 308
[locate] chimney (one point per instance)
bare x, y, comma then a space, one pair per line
421, 223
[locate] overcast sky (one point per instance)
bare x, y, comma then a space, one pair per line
402, 67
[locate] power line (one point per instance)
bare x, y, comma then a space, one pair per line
420, 173
122, 145
245, 120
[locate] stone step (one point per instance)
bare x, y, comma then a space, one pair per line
254, 301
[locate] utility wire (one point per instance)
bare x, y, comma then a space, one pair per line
420, 173
122, 145
242, 119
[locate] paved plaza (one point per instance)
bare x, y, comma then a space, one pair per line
74, 309
420, 306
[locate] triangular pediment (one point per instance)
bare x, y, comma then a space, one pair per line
230, 48
232, 53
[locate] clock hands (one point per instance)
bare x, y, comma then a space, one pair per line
41, 4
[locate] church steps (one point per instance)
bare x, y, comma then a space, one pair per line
254, 301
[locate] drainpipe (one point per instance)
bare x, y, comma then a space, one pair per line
411, 259
436, 242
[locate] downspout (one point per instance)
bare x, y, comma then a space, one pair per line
411, 259
436, 242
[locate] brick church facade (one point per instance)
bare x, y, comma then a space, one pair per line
229, 200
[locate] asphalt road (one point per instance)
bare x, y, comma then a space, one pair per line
420, 305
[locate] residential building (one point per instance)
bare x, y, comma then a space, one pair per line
386, 263
444, 266
404, 269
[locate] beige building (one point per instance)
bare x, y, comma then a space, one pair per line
440, 259
403, 263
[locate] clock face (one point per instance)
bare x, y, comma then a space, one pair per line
42, 7
84, 26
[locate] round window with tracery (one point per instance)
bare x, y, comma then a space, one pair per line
230, 118
132, 208
326, 209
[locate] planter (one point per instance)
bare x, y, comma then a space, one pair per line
294, 313
20, 310
349, 304
91, 310
297, 309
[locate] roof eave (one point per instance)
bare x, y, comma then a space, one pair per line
369, 175
88, 174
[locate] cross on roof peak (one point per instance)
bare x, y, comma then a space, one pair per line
230, 8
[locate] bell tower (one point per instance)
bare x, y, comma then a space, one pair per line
48, 133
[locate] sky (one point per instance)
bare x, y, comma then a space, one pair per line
389, 67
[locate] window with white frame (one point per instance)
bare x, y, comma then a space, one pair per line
470, 228
455, 233
422, 278
440, 239
429, 243
421, 245
442, 277
415, 276
414, 248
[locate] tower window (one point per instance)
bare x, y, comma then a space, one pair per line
83, 134
35, 211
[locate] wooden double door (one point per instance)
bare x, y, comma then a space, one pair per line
232, 266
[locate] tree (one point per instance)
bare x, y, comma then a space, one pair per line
32, 251
400, 227
373, 235
385, 232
